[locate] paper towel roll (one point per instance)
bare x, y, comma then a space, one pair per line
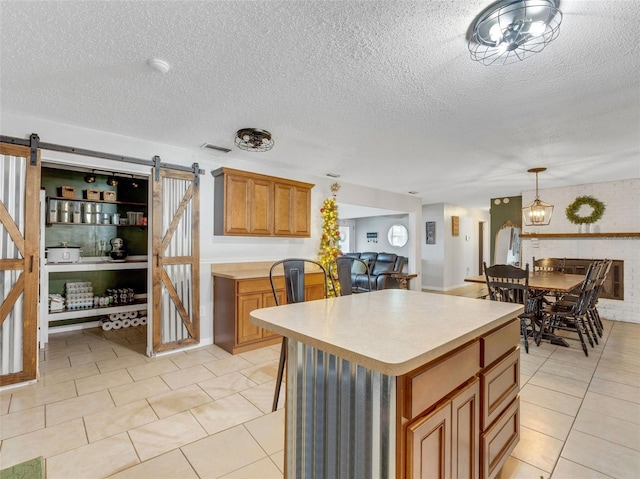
123, 315
126, 323
113, 316
135, 322
107, 325
143, 320
117, 324
133, 314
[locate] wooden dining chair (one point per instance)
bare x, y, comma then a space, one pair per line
555, 265
343, 269
571, 312
593, 314
510, 284
294, 271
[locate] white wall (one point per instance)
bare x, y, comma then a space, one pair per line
433, 254
380, 225
621, 215
446, 264
213, 249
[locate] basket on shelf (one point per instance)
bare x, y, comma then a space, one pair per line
109, 196
91, 194
67, 191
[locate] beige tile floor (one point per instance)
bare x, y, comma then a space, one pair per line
103, 409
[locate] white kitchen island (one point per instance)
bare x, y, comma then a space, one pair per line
398, 383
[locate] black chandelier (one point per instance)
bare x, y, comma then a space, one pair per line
251, 139
512, 30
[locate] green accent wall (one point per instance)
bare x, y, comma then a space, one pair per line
88, 236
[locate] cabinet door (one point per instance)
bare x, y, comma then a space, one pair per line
429, 445
237, 205
247, 331
314, 291
282, 205
301, 211
292, 205
465, 431
267, 302
261, 209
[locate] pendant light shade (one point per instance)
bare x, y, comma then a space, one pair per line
537, 213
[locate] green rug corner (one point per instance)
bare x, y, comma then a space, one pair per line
32, 469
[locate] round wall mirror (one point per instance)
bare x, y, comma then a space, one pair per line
398, 235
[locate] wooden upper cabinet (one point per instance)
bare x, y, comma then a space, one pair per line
292, 205
249, 204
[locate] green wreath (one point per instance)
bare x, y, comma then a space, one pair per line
597, 206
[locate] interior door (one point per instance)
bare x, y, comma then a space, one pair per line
176, 260
19, 259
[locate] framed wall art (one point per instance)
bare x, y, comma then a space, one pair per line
431, 232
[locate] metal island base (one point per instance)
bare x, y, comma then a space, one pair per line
399, 383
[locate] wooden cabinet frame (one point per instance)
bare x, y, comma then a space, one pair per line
459, 415
233, 300
249, 204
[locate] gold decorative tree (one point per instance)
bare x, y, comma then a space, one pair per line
329, 241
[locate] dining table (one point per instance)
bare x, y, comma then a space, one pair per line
549, 281
541, 284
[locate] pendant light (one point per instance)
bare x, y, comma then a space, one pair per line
537, 213
90, 177
112, 180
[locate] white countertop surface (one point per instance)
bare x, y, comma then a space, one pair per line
391, 331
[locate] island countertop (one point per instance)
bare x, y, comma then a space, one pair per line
390, 331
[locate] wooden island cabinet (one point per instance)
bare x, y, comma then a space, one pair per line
399, 384
240, 288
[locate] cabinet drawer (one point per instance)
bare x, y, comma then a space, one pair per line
499, 342
263, 285
500, 384
425, 387
258, 285
500, 439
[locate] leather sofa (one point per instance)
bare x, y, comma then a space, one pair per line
381, 267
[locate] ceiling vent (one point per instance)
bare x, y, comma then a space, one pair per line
209, 146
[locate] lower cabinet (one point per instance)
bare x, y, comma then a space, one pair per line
234, 299
460, 415
444, 443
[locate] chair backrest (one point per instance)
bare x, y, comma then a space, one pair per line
601, 276
588, 289
294, 278
549, 264
508, 283
342, 268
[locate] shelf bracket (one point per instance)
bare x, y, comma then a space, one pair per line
156, 166
196, 174
34, 140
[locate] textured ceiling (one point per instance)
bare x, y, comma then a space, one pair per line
381, 92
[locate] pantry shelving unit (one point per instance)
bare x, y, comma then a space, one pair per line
119, 209
85, 265
95, 265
